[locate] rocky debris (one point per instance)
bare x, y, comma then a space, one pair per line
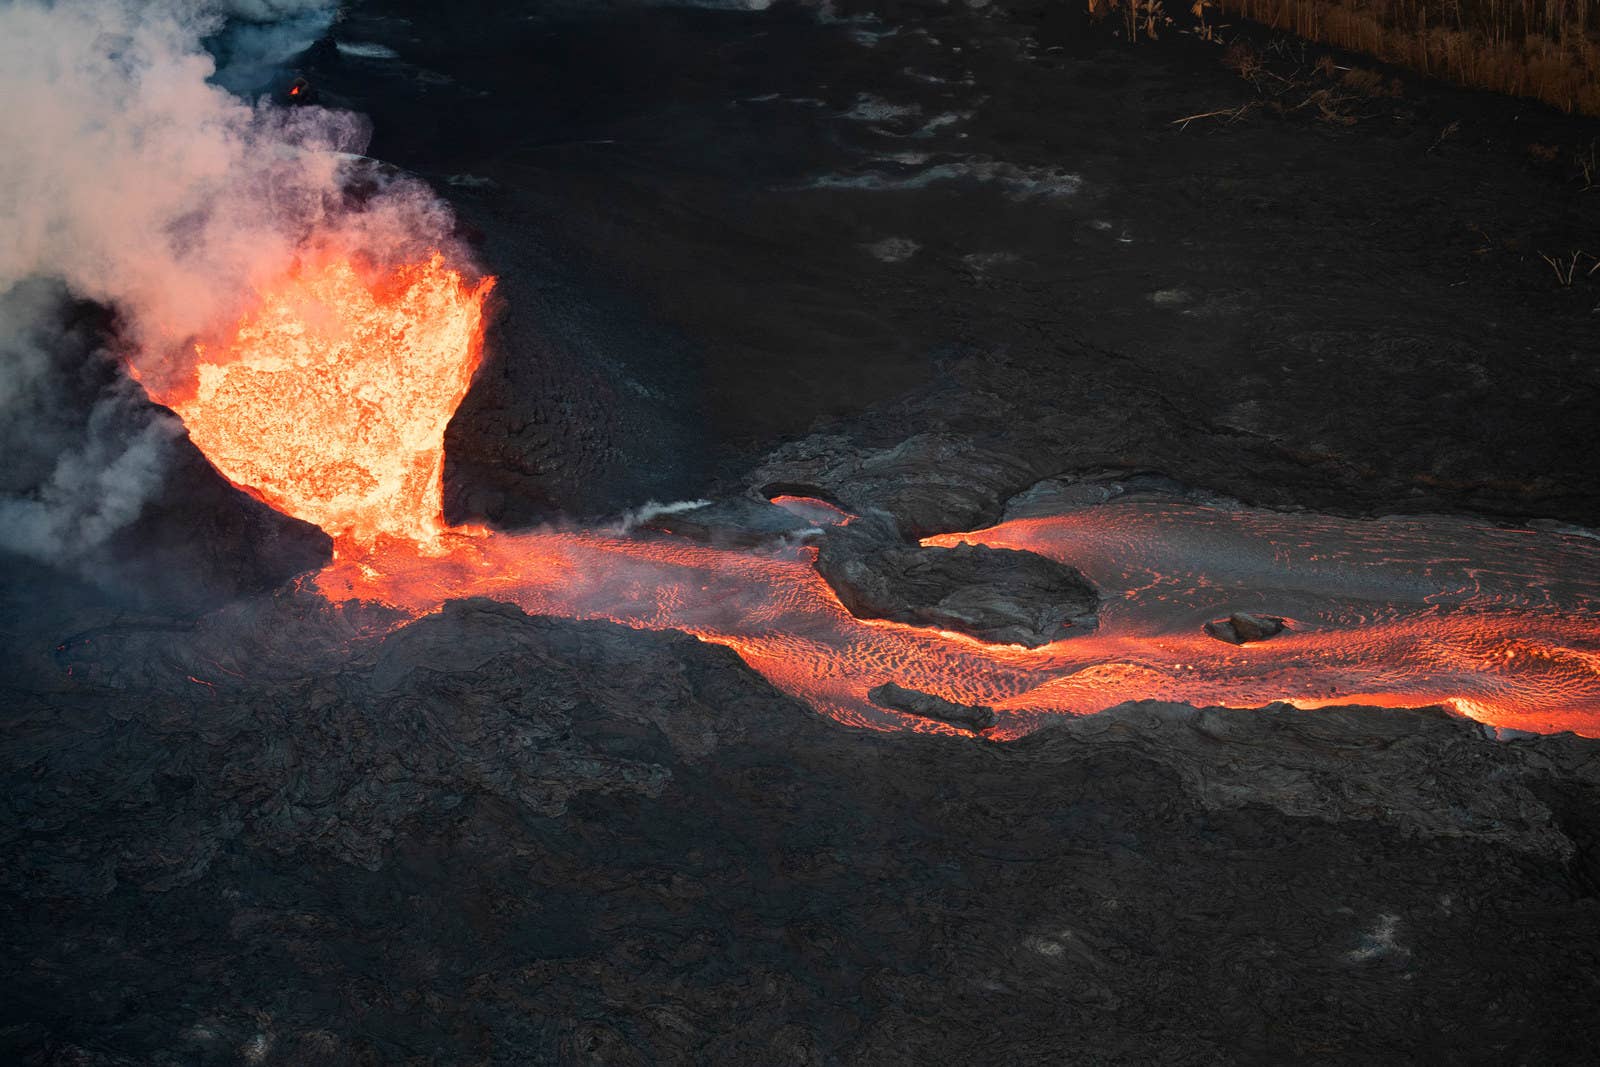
1288, 759
491, 837
974, 717
1243, 626
243, 675
1004, 596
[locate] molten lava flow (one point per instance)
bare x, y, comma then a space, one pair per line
813, 510
330, 400
1387, 613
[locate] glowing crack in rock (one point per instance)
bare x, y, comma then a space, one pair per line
331, 402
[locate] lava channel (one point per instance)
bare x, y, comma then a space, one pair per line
331, 399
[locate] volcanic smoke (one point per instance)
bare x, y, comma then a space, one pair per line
330, 399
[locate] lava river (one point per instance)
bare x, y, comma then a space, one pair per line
330, 402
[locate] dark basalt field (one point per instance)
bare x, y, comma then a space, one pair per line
912, 259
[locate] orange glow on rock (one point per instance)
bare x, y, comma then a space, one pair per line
330, 400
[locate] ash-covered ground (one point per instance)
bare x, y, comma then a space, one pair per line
913, 259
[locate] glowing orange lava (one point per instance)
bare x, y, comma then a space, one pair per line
331, 401
813, 510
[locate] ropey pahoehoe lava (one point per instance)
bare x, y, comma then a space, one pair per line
330, 401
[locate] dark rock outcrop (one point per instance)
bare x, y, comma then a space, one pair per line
972, 717
1000, 595
1244, 626
496, 838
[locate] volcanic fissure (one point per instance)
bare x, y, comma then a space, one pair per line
329, 401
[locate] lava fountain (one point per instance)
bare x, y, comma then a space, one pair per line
330, 402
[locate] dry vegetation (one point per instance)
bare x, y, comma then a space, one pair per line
1288, 82
1546, 49
1558, 61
